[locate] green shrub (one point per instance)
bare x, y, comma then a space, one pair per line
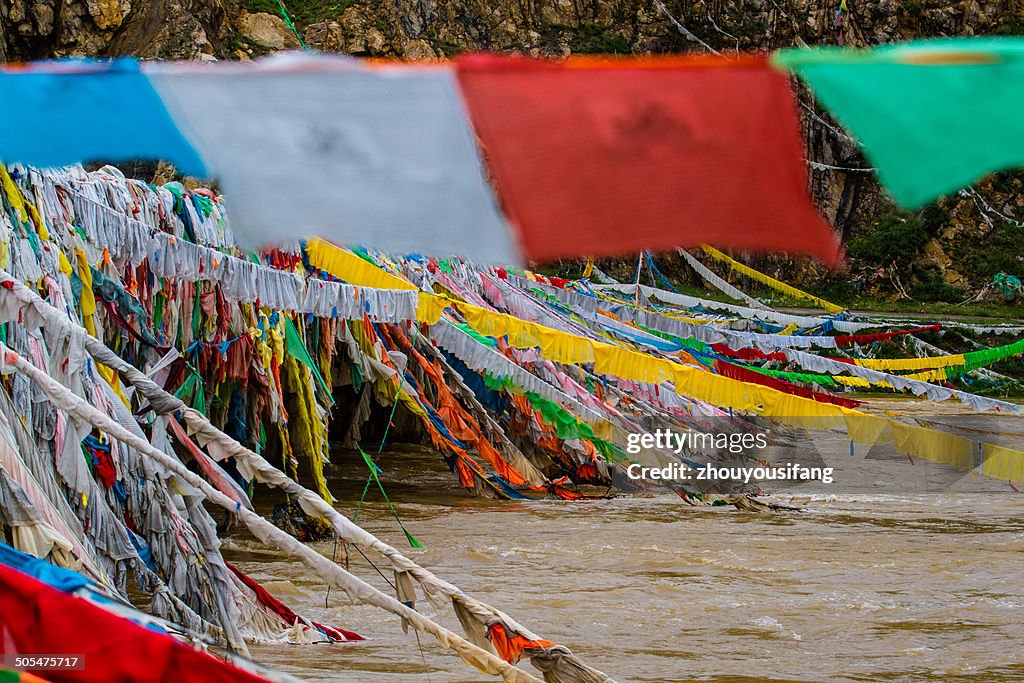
593, 38
932, 289
836, 289
933, 219
1001, 251
894, 238
256, 6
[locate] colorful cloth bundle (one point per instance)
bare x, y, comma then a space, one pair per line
525, 385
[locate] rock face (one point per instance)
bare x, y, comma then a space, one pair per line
325, 36
637, 26
183, 28
167, 29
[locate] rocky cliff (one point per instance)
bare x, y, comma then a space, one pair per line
957, 244
190, 29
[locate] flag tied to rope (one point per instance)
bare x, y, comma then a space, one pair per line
600, 156
932, 115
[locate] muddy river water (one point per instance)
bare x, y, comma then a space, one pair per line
909, 582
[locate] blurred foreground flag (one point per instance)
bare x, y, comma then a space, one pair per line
66, 111
933, 116
361, 155
608, 157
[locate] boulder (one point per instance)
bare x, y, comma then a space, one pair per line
266, 31
418, 49
325, 36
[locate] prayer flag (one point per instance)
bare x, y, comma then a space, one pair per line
609, 157
933, 116
63, 112
373, 155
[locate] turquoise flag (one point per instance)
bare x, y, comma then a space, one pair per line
932, 116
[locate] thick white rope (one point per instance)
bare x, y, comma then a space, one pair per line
357, 589
253, 465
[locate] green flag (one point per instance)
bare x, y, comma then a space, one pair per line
295, 347
933, 116
373, 473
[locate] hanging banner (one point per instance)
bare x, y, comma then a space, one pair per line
323, 145
60, 113
770, 281
606, 157
933, 116
718, 283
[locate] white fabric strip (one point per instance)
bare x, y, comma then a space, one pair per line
241, 281
717, 282
846, 326
380, 155
932, 392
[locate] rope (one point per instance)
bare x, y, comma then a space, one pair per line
373, 473
659, 274
826, 124
818, 166
370, 477
357, 589
290, 24
980, 202
263, 471
683, 30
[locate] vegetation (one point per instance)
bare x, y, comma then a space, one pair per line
593, 38
998, 252
268, 6
302, 12
895, 238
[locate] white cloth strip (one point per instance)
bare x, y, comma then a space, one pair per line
932, 392
775, 317
390, 162
721, 285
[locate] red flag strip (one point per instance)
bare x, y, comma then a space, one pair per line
746, 375
606, 157
38, 619
849, 339
286, 613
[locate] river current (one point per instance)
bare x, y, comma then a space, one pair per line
922, 581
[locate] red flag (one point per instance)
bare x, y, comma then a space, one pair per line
752, 376
609, 157
38, 619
